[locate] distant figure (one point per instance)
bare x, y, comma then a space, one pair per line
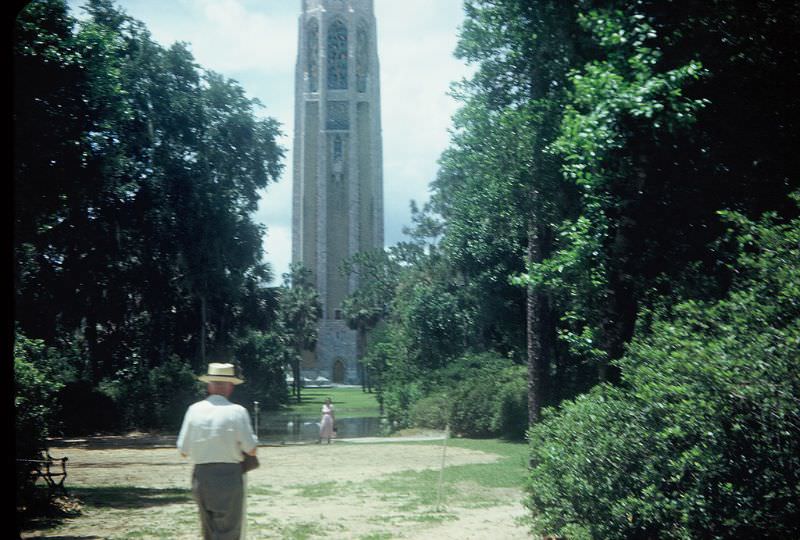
326, 425
214, 434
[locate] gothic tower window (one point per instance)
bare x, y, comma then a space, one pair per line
337, 56
337, 118
337, 149
312, 54
337, 163
362, 58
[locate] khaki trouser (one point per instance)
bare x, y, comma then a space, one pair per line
218, 489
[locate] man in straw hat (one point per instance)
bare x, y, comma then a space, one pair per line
214, 434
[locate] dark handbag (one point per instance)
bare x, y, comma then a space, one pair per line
249, 463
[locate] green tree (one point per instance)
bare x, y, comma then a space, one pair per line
300, 309
703, 436
377, 274
134, 240
50, 85
523, 51
39, 373
263, 357
650, 142
623, 110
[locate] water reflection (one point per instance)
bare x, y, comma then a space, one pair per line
294, 428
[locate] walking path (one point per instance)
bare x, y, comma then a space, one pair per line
149, 440
137, 486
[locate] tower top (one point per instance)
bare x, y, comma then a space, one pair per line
338, 5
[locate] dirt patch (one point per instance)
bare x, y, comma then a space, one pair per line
300, 491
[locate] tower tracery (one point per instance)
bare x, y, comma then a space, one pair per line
312, 55
337, 208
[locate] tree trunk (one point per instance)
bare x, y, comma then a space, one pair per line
91, 345
533, 327
360, 350
296, 369
203, 316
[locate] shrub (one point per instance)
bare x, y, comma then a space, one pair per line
510, 417
85, 409
130, 392
492, 402
153, 398
466, 367
432, 412
480, 394
262, 357
34, 390
34, 411
474, 402
173, 387
399, 399
702, 440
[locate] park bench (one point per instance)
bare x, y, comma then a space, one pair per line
53, 471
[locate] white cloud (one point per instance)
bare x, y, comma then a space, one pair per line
277, 237
416, 42
239, 38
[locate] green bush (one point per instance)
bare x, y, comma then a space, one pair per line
474, 402
32, 412
702, 439
153, 398
478, 394
34, 389
399, 400
35, 413
262, 357
174, 387
85, 410
510, 417
466, 367
130, 392
432, 411
157, 398
491, 401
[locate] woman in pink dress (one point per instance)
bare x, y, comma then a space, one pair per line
327, 422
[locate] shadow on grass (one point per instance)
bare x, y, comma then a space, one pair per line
37, 508
91, 537
48, 516
132, 441
130, 497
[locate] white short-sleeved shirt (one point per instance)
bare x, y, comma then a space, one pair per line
216, 431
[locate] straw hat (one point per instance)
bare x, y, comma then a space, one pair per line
221, 373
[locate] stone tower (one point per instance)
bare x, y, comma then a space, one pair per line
338, 172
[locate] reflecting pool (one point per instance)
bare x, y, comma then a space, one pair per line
279, 428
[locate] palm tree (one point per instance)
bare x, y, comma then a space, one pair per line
300, 309
362, 318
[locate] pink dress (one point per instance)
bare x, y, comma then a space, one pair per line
326, 425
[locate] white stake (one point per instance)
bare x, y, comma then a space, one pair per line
441, 470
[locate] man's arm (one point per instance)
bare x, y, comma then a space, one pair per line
249, 439
182, 442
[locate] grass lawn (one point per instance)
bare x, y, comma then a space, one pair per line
507, 472
347, 402
306, 492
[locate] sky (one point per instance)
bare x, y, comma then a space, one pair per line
255, 43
